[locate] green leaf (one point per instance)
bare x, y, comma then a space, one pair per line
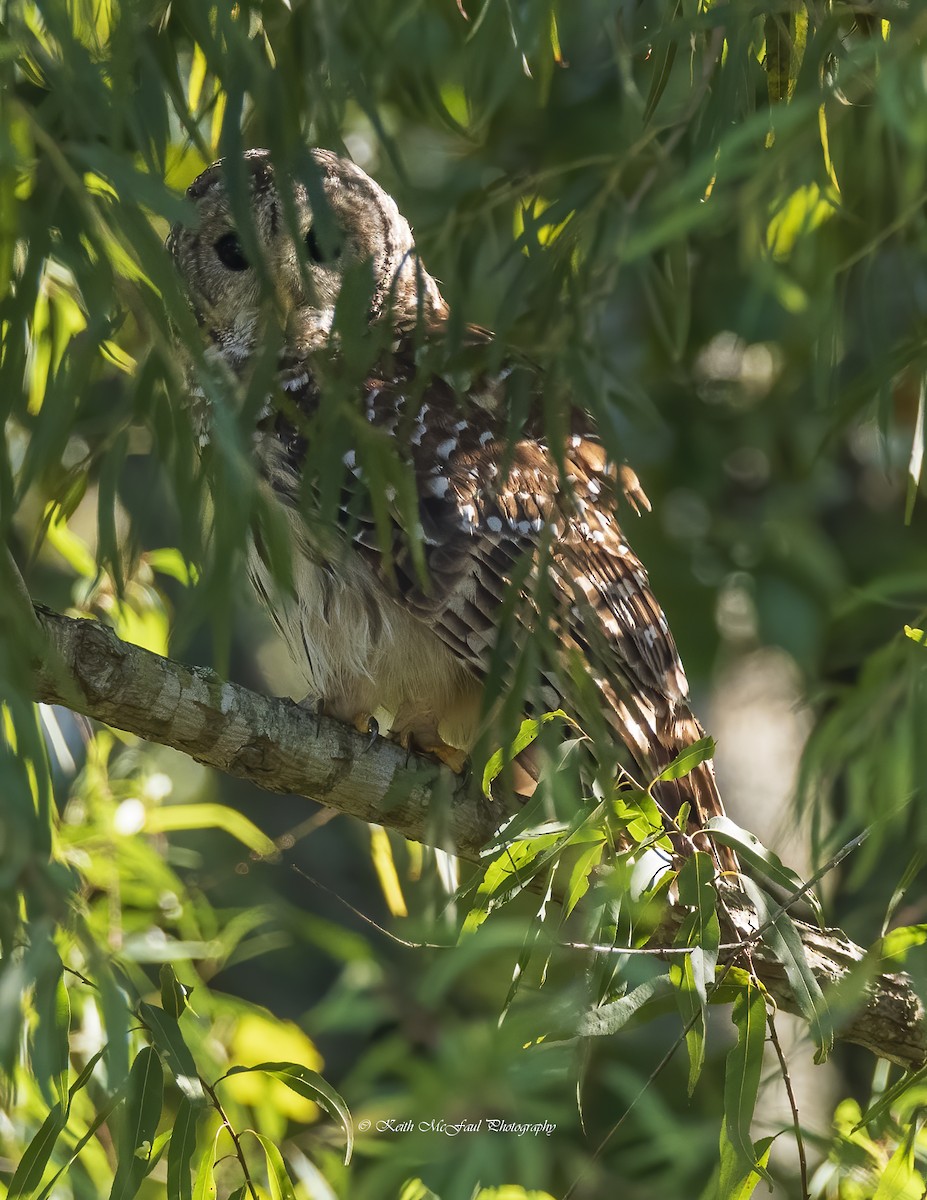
509, 874
897, 942
50, 1050
414, 1189
160, 1144
662, 72
637, 815
100, 1118
171, 562
689, 980
527, 733
182, 1148
166, 1035
881, 1109
312, 1086
173, 992
172, 818
784, 940
687, 760
607, 1019
72, 549
31, 1168
733, 1179
742, 1076
910, 873
900, 1180
85, 1076
144, 1097
116, 1017
281, 1186
695, 883
800, 214
764, 862
580, 871
204, 1187
692, 976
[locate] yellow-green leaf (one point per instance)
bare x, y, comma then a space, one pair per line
171, 817
381, 852
313, 1087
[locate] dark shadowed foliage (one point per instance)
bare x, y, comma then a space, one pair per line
705, 222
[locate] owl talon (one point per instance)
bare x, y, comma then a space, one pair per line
315, 705
366, 723
450, 756
405, 740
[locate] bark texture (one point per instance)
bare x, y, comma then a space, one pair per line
284, 748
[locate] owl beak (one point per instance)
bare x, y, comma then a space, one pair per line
284, 302
308, 329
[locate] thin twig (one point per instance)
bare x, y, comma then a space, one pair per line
793, 1106
774, 1038
798, 894
661, 1065
652, 1077
664, 149
282, 748
393, 937
655, 951
236, 1141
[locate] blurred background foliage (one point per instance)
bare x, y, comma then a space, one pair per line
706, 220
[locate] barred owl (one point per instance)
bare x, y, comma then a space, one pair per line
414, 598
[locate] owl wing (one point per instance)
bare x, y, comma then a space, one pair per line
517, 516
494, 514
498, 516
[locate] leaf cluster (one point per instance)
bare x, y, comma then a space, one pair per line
706, 222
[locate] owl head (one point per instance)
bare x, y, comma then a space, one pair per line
305, 251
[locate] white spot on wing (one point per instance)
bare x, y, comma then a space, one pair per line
294, 384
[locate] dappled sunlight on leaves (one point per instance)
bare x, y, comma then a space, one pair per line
705, 222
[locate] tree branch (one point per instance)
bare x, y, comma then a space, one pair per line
273, 743
284, 748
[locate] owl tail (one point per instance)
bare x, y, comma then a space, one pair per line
698, 789
655, 738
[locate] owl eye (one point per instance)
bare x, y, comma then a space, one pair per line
228, 248
315, 251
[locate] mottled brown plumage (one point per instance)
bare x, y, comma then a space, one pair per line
397, 607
